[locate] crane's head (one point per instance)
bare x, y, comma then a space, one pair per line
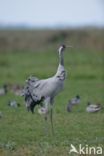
62, 47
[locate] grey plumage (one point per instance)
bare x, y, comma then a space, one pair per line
31, 99
42, 92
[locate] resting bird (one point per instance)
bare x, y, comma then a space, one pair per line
91, 108
1, 114
43, 91
17, 89
3, 90
74, 101
13, 104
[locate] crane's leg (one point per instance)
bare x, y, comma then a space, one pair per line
51, 115
49, 107
51, 118
46, 105
46, 125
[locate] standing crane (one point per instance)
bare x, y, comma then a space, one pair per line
42, 92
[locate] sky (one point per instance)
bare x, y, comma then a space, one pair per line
52, 12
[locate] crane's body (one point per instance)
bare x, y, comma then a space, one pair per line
49, 87
46, 89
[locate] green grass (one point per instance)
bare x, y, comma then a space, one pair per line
22, 134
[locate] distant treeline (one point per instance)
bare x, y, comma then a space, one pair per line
34, 40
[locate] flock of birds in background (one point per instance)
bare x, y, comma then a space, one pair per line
18, 90
42, 92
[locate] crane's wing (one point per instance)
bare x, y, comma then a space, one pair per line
30, 93
43, 88
31, 83
33, 88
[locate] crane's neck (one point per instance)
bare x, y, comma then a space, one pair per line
61, 57
61, 71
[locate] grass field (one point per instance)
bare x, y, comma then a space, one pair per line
22, 134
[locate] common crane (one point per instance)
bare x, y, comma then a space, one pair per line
43, 91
